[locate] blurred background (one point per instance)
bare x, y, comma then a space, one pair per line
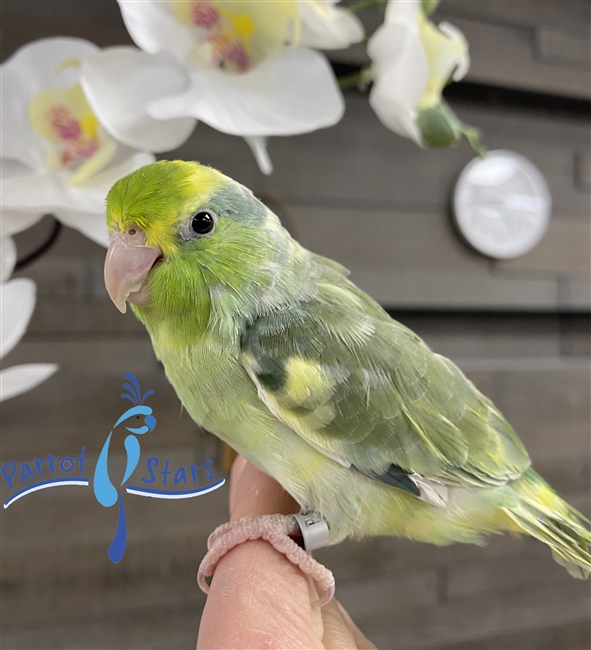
378, 204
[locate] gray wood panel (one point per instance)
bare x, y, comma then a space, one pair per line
570, 16
508, 56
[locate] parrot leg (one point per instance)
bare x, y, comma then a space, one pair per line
278, 531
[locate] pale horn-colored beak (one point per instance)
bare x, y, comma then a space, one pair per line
127, 265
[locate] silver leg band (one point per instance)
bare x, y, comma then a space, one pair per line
314, 529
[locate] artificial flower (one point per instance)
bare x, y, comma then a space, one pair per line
17, 301
328, 27
413, 60
246, 73
7, 257
56, 157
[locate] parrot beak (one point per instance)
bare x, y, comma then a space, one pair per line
127, 265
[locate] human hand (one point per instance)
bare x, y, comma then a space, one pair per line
258, 598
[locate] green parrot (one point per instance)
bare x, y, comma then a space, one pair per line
274, 350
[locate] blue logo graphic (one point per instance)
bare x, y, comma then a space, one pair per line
138, 420
104, 491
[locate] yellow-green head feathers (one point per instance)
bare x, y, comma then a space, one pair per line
158, 197
244, 265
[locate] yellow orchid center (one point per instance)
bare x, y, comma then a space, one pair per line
63, 118
236, 35
443, 54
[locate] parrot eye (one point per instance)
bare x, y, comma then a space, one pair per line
202, 223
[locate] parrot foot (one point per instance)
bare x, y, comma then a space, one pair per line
275, 529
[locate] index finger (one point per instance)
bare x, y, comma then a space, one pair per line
258, 598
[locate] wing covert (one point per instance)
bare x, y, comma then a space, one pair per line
366, 390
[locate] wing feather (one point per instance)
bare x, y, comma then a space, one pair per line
362, 387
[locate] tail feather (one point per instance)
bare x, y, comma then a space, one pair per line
547, 517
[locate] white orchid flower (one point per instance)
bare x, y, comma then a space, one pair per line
245, 73
56, 155
17, 301
413, 60
326, 26
7, 257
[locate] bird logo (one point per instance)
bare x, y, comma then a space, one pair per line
105, 492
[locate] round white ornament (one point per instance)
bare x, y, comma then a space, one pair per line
502, 204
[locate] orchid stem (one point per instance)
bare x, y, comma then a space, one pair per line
42, 248
350, 80
473, 136
358, 79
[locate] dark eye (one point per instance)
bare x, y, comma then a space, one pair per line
202, 223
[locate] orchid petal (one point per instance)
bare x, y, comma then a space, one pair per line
51, 191
7, 257
258, 146
401, 75
120, 81
100, 184
153, 28
93, 226
237, 34
17, 301
28, 72
413, 59
15, 220
462, 56
446, 51
327, 27
22, 378
292, 93
403, 12
44, 193
77, 206
9, 168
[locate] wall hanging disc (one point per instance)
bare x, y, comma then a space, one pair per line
502, 204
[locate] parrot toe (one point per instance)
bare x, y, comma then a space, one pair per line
275, 529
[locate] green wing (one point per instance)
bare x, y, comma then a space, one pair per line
368, 392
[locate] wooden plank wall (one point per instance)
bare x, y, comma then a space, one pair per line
376, 203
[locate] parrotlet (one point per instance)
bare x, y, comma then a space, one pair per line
272, 348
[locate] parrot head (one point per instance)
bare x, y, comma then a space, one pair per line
139, 409
134, 415
189, 243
